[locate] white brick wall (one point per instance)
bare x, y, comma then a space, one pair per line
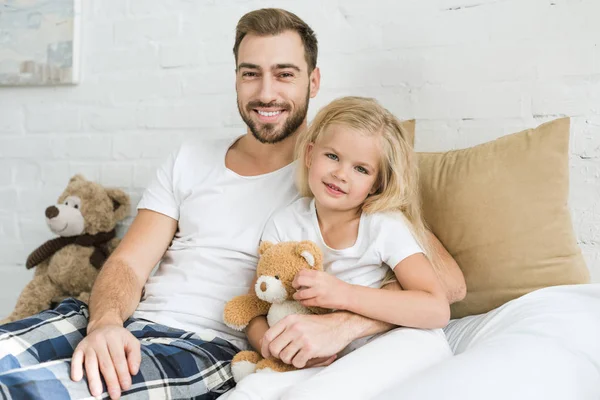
157, 71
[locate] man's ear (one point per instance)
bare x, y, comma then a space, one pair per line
120, 201
264, 246
315, 82
311, 253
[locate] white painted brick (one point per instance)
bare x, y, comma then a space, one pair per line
26, 174
436, 135
146, 145
11, 288
9, 232
6, 178
183, 55
32, 146
587, 142
556, 60
213, 80
143, 174
138, 59
100, 35
85, 147
160, 7
53, 119
117, 175
91, 171
35, 228
567, 96
134, 88
483, 101
36, 200
436, 29
105, 9
12, 120
110, 119
55, 173
146, 30
8, 199
205, 115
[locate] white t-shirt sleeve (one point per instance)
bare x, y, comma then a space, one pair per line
160, 195
396, 240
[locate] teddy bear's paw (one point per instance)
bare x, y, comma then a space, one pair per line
244, 364
273, 365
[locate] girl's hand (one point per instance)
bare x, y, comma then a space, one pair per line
320, 289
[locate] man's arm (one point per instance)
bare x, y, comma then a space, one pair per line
115, 296
450, 274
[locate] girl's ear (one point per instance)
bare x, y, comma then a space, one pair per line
308, 157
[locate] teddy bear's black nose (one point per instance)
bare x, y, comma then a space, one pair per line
51, 212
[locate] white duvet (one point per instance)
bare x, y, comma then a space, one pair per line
544, 345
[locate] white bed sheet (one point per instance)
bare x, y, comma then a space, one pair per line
544, 345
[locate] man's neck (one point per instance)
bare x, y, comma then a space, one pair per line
248, 156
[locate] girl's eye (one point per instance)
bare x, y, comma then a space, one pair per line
331, 156
362, 170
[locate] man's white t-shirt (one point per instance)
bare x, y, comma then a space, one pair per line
383, 240
221, 216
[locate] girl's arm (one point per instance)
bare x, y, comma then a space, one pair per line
422, 303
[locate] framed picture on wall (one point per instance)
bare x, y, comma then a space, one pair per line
39, 42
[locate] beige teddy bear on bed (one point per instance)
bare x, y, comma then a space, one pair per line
84, 219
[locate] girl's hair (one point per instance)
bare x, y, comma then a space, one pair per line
397, 184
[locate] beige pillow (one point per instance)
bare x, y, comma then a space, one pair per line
409, 126
500, 209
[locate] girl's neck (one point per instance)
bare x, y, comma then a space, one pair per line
331, 219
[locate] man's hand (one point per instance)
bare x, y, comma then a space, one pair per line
112, 351
320, 289
296, 339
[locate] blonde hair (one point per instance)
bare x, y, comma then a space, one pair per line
397, 184
273, 21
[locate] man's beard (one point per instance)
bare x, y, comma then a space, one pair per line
267, 132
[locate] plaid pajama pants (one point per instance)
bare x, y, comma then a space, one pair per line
35, 359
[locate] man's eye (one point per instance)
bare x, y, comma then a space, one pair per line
331, 156
249, 74
286, 75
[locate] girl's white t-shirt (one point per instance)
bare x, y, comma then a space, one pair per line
221, 216
383, 240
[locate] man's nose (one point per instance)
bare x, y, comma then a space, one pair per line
267, 91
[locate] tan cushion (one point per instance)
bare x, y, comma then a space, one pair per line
500, 209
409, 126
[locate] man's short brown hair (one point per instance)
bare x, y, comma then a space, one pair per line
273, 21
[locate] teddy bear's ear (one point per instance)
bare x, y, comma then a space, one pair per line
264, 246
76, 178
120, 201
311, 253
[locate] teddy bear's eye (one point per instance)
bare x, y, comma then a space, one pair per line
277, 277
76, 206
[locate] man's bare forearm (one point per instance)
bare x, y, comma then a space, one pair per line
115, 295
358, 326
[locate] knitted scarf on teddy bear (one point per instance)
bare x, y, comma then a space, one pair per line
98, 241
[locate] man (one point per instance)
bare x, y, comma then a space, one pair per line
202, 216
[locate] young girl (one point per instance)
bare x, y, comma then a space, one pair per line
360, 205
